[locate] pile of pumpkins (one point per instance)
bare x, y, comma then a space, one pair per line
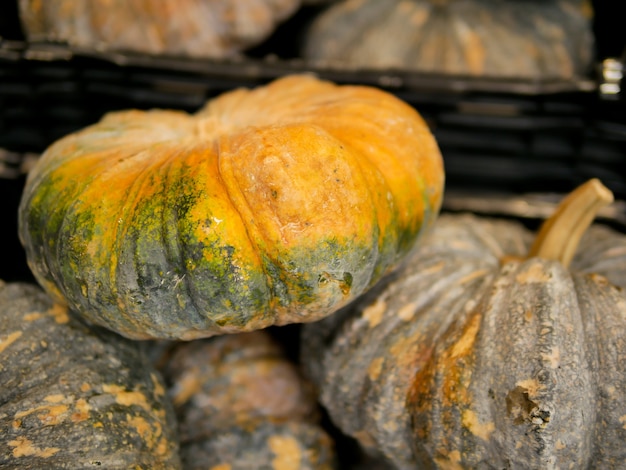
170, 248
505, 39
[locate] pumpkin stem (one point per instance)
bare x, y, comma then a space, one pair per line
559, 236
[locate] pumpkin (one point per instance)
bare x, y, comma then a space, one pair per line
269, 206
487, 350
73, 397
196, 28
547, 39
242, 404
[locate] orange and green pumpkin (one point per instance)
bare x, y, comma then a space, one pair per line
73, 397
269, 206
487, 350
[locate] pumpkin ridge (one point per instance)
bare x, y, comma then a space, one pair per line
272, 311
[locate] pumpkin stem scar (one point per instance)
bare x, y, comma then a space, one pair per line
559, 236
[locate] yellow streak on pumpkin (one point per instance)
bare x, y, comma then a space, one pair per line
47, 414
186, 387
375, 368
374, 313
465, 342
8, 340
143, 428
57, 398
474, 51
82, 411
127, 398
159, 391
221, 466
407, 312
471, 422
534, 274
59, 312
473, 275
288, 454
23, 447
451, 463
32, 316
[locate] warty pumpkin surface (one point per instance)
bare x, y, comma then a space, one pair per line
269, 206
476, 355
546, 39
72, 397
242, 404
196, 28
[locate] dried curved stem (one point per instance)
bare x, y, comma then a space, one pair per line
559, 236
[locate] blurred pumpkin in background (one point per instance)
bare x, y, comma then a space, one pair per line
241, 403
536, 39
195, 28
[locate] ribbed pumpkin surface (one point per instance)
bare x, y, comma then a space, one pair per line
473, 357
270, 206
197, 28
545, 39
76, 398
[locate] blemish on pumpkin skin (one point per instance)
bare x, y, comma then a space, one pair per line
622, 419
23, 447
127, 398
287, 452
553, 358
533, 274
82, 411
47, 414
8, 340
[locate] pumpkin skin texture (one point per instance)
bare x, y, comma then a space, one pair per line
271, 206
485, 38
472, 356
76, 398
241, 402
195, 28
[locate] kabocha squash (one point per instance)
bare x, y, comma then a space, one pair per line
196, 28
269, 206
486, 350
242, 404
76, 398
546, 39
